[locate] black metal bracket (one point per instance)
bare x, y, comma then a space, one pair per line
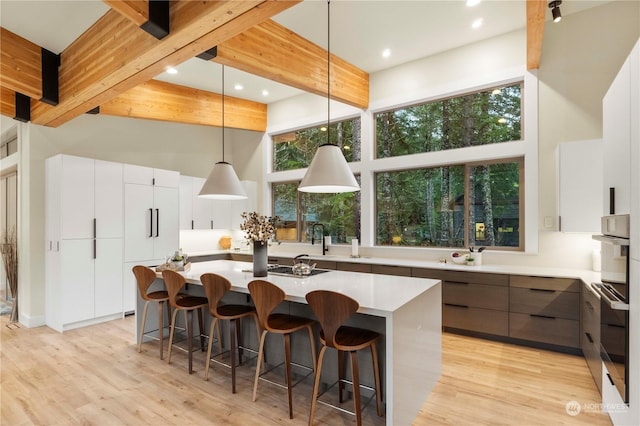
94, 111
158, 23
208, 55
50, 77
23, 108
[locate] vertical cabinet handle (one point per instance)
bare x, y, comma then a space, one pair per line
50, 245
212, 224
95, 227
151, 223
191, 224
157, 222
57, 245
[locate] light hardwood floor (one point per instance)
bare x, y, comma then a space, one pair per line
95, 376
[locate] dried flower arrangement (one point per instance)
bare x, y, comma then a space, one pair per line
258, 227
9, 249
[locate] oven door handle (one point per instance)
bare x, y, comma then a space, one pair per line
611, 300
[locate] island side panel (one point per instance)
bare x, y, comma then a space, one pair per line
414, 355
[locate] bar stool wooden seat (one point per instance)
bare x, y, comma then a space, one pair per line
186, 303
332, 310
145, 277
215, 287
266, 297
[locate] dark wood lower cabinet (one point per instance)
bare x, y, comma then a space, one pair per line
590, 336
479, 320
551, 330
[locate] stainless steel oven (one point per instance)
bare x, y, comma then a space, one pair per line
614, 296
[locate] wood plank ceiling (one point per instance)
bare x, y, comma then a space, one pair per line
112, 64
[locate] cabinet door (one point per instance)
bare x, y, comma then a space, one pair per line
108, 276
138, 233
76, 280
108, 199
221, 213
580, 185
166, 178
634, 251
202, 207
52, 203
186, 202
166, 222
138, 174
77, 192
616, 128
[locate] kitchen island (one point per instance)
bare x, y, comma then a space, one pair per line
407, 311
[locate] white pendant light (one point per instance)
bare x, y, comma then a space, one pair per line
328, 171
223, 182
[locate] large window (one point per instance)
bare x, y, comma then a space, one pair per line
299, 211
451, 206
480, 118
295, 150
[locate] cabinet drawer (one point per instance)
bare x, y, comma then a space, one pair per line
545, 283
353, 267
545, 302
478, 278
324, 264
476, 295
555, 331
435, 274
476, 319
403, 271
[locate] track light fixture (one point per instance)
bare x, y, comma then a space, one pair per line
555, 10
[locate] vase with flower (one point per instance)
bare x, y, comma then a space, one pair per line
259, 229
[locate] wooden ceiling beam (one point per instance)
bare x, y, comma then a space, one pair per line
20, 65
158, 100
271, 51
536, 12
137, 11
7, 102
114, 55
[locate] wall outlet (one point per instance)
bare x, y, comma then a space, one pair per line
548, 222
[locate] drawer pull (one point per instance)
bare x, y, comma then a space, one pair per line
543, 290
542, 316
610, 379
589, 337
456, 282
456, 305
589, 305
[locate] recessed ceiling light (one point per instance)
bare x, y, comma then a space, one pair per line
386, 53
471, 3
238, 86
265, 92
477, 23
171, 70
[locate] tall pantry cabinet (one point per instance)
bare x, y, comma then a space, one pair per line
84, 252
151, 208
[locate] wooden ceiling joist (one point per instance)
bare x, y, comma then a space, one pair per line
114, 55
158, 100
20, 65
7, 102
151, 16
536, 12
264, 49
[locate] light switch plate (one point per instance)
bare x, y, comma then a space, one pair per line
548, 222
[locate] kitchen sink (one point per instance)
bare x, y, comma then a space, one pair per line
288, 271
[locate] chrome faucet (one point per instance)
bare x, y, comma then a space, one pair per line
313, 237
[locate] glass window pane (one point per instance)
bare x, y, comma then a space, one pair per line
423, 207
285, 206
295, 150
481, 118
494, 216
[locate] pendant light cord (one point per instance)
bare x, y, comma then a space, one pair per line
328, 69
223, 113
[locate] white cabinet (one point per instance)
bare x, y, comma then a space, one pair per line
580, 185
84, 223
616, 138
202, 213
634, 64
248, 205
152, 221
151, 204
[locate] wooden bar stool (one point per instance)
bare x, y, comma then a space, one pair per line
266, 297
187, 303
332, 310
215, 287
145, 277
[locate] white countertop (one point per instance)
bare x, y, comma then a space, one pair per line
379, 295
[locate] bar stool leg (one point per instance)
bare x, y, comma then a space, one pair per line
355, 379
189, 318
234, 344
312, 343
287, 371
316, 385
141, 332
207, 363
171, 333
161, 327
201, 328
376, 378
341, 367
259, 364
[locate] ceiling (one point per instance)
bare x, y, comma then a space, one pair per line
360, 31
